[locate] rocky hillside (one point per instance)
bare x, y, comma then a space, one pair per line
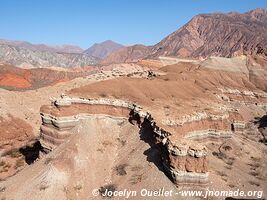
43, 47
25, 57
101, 50
206, 35
128, 54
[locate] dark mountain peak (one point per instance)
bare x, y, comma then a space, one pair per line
101, 50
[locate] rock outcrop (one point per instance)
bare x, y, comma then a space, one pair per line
60, 118
244, 97
186, 163
182, 158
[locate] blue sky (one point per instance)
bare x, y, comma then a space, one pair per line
84, 22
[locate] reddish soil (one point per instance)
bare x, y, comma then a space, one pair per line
14, 78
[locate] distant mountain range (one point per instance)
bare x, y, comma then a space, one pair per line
27, 55
26, 58
206, 35
43, 47
101, 50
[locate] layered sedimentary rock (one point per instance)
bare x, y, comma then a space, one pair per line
238, 126
171, 61
244, 97
209, 133
183, 159
58, 119
186, 164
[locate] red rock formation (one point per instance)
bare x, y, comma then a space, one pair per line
206, 35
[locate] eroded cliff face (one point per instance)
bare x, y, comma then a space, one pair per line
59, 119
183, 158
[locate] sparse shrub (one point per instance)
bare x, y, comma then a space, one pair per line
221, 174
106, 143
254, 165
253, 173
231, 185
166, 107
224, 178
219, 155
254, 183
100, 150
43, 187
227, 148
120, 169
229, 162
110, 187
78, 187
255, 159
65, 189
136, 178
48, 160
121, 141
177, 104
228, 167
